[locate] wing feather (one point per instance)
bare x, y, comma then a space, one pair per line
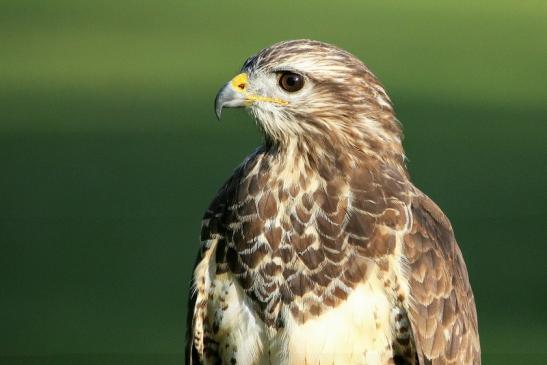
200, 348
193, 355
442, 309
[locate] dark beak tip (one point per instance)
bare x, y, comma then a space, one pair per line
218, 105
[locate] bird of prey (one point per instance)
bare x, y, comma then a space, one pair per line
319, 249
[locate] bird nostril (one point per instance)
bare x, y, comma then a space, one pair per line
241, 86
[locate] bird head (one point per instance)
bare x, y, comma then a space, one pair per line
307, 92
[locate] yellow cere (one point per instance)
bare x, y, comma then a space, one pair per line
239, 83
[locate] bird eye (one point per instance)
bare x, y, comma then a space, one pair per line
291, 82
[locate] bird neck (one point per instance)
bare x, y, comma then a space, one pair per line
317, 155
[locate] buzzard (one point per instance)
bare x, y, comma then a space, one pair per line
319, 249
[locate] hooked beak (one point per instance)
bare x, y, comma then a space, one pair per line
232, 94
235, 94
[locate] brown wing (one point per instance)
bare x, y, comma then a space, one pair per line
442, 308
193, 356
200, 348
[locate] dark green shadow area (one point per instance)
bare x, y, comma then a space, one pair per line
92, 359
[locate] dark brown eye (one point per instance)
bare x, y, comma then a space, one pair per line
291, 82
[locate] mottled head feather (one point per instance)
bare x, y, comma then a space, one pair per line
342, 103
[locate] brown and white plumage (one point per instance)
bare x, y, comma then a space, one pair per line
319, 250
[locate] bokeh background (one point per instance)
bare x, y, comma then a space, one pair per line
110, 152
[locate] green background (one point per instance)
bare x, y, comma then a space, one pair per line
110, 152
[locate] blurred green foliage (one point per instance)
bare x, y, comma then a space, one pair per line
110, 152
